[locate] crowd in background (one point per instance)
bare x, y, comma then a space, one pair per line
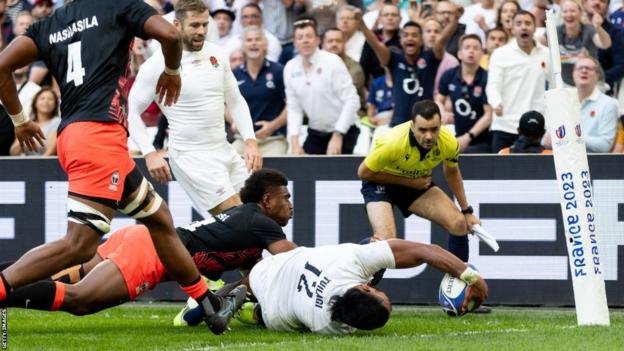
328, 76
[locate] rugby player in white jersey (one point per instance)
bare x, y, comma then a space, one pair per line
325, 289
203, 162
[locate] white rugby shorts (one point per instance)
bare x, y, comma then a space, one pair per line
209, 177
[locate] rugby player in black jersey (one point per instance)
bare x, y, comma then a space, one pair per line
127, 265
86, 44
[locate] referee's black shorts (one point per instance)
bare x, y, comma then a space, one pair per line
399, 196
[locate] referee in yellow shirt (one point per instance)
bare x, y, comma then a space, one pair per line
398, 172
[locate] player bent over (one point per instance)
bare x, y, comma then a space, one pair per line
325, 289
127, 265
398, 172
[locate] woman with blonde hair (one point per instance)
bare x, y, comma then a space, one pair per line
578, 39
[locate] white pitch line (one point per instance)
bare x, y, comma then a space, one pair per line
393, 336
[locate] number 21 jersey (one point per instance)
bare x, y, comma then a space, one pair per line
86, 46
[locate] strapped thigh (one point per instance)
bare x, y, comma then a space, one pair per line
139, 197
81, 213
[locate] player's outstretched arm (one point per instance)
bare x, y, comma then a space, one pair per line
409, 254
21, 52
169, 83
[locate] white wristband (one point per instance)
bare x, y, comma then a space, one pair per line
470, 276
171, 71
19, 119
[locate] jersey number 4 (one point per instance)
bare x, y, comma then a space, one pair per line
75, 71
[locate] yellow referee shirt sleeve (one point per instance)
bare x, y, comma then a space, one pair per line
381, 155
451, 158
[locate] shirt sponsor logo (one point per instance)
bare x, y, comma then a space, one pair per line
412, 86
240, 82
270, 84
72, 29
451, 87
401, 66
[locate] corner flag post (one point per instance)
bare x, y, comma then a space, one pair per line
576, 194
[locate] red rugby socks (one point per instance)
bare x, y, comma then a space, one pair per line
199, 291
196, 289
5, 288
59, 296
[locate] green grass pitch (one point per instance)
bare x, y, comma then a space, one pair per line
149, 327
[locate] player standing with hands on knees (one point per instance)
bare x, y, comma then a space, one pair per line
86, 44
207, 167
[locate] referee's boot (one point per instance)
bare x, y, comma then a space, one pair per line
218, 322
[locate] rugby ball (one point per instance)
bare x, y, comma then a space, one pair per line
452, 294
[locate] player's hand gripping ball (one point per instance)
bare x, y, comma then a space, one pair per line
452, 293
